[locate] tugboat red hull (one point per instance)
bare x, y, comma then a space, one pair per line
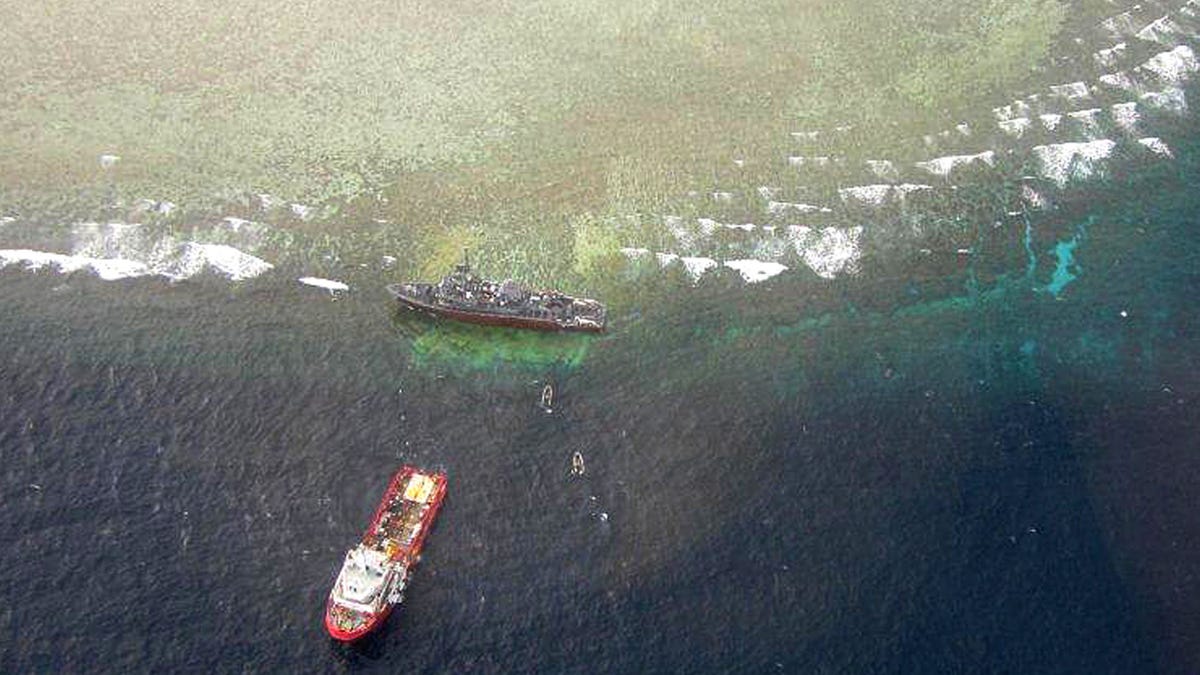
393, 541
340, 635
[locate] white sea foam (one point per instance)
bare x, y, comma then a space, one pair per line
1088, 120
1173, 67
1171, 99
224, 260
163, 207
1156, 145
1050, 121
942, 166
1164, 31
866, 194
1062, 162
130, 241
1015, 127
1073, 91
809, 161
883, 168
685, 236
1032, 197
267, 201
1126, 115
781, 208
707, 226
109, 269
328, 284
1120, 81
696, 266
1121, 25
877, 195
160, 254
1108, 58
830, 251
754, 271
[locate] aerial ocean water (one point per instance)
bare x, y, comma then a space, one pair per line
1003, 484
876, 425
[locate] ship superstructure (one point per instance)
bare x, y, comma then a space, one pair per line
375, 573
463, 296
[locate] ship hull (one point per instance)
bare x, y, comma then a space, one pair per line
408, 554
373, 622
491, 318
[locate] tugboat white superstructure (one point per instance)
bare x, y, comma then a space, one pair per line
375, 573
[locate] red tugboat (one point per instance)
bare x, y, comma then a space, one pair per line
375, 573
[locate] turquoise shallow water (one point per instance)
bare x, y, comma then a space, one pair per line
977, 454
996, 479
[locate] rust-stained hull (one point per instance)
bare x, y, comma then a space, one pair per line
491, 318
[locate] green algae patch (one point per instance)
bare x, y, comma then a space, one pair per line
458, 346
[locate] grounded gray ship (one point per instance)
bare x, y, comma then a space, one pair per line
463, 296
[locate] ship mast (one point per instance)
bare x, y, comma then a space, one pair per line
464, 268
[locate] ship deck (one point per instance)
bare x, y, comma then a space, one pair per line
405, 513
566, 313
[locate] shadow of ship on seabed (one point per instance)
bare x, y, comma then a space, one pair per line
830, 198
439, 341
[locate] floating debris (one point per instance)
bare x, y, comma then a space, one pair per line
328, 284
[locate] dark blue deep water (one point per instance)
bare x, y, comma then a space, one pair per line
998, 477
